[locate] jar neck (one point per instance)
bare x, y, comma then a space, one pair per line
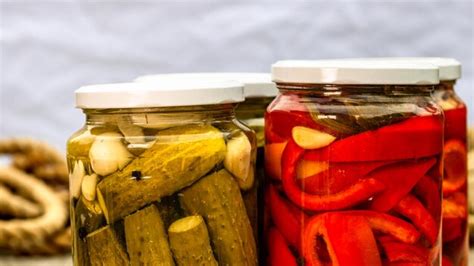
447, 85
334, 90
188, 114
253, 107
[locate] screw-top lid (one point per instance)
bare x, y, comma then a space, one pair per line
449, 68
255, 84
359, 71
176, 92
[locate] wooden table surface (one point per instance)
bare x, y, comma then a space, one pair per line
66, 261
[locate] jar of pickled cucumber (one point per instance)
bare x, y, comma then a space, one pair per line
455, 233
353, 157
259, 91
158, 175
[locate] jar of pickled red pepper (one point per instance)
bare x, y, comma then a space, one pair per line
158, 174
353, 156
455, 203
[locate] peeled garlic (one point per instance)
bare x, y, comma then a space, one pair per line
238, 159
108, 154
75, 178
88, 187
308, 138
133, 134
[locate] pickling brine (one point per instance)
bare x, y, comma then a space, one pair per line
163, 185
455, 211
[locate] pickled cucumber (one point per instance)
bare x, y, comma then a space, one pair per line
104, 248
217, 199
189, 240
179, 157
251, 206
90, 216
79, 253
147, 242
169, 209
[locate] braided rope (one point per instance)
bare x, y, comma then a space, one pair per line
39, 179
20, 234
17, 206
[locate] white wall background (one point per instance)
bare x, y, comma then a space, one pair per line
48, 49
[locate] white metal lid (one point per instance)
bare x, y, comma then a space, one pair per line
449, 68
255, 84
355, 71
167, 93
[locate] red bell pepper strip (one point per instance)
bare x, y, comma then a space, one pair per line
455, 206
387, 263
411, 208
279, 253
286, 218
455, 166
343, 239
455, 123
452, 229
399, 179
270, 135
413, 138
454, 217
272, 158
281, 121
337, 177
359, 192
388, 224
445, 261
429, 192
401, 252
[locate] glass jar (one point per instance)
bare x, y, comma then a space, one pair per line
259, 91
455, 203
158, 177
353, 156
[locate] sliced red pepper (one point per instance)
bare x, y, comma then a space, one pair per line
337, 177
452, 229
455, 206
429, 193
454, 217
270, 135
388, 224
455, 166
279, 253
281, 121
445, 261
401, 252
411, 208
273, 154
455, 123
403, 263
359, 192
338, 239
413, 138
399, 179
286, 218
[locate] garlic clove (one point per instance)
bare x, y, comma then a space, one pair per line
88, 186
238, 158
108, 154
133, 134
308, 138
75, 178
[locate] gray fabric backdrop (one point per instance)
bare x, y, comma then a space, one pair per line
49, 49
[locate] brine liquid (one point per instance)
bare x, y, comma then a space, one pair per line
369, 195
